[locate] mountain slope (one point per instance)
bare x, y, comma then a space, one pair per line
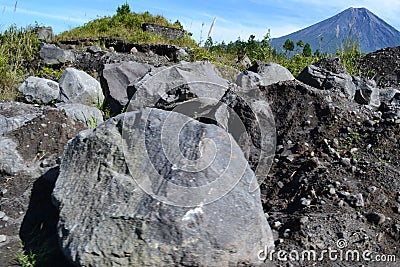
358, 23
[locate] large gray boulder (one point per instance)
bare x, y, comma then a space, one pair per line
167, 86
53, 55
366, 92
268, 73
90, 116
32, 138
115, 80
39, 90
198, 91
329, 74
77, 86
155, 188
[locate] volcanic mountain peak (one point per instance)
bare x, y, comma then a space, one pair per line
356, 23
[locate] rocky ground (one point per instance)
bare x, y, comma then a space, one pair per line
334, 180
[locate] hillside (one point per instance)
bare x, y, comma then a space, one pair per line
357, 23
128, 26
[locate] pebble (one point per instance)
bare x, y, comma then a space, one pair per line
305, 202
376, 218
372, 189
3, 192
397, 209
332, 191
356, 200
353, 150
345, 162
304, 220
286, 233
276, 225
335, 143
382, 199
2, 215
3, 238
6, 219
279, 149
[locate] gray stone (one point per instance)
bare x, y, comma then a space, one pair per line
3, 238
77, 86
198, 91
249, 79
366, 92
346, 162
14, 114
94, 49
107, 219
271, 73
39, 90
175, 83
11, 162
376, 218
115, 80
356, 201
323, 79
91, 116
387, 94
53, 55
46, 34
166, 32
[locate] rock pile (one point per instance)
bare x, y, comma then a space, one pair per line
173, 179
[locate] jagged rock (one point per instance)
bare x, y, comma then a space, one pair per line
178, 83
388, 94
249, 79
90, 116
14, 114
333, 78
269, 72
31, 135
198, 91
11, 162
53, 55
45, 34
366, 92
94, 49
77, 86
39, 90
166, 32
115, 80
107, 218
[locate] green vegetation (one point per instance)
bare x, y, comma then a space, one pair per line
262, 50
128, 26
49, 73
27, 259
18, 47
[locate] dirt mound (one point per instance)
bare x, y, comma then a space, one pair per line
383, 66
334, 177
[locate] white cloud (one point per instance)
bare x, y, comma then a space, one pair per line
43, 15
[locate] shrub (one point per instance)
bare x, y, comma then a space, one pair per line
18, 48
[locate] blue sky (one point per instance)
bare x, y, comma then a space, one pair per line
235, 18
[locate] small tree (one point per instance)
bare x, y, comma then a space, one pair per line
307, 50
123, 10
300, 43
288, 46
